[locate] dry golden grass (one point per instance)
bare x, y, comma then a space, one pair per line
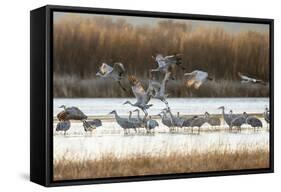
112, 166
81, 44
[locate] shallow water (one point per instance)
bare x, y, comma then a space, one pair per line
183, 105
110, 138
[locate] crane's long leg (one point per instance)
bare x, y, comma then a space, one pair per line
123, 88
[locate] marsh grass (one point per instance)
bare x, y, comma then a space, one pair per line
74, 86
81, 44
112, 166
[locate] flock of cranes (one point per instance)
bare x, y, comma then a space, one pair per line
158, 79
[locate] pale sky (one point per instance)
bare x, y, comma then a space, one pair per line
232, 27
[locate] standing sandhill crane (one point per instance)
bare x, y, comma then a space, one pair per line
238, 121
254, 122
125, 123
165, 120
117, 72
151, 124
266, 116
186, 121
168, 63
90, 125
71, 113
213, 121
158, 89
137, 121
63, 126
177, 121
142, 96
196, 78
227, 118
246, 79
198, 122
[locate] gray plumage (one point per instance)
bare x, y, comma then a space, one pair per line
158, 90
90, 125
63, 126
177, 121
186, 121
238, 121
142, 96
166, 64
117, 72
198, 122
71, 113
213, 121
125, 123
254, 122
151, 124
165, 120
136, 121
266, 115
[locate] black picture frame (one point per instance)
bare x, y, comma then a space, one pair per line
41, 94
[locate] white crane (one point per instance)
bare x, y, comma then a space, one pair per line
196, 78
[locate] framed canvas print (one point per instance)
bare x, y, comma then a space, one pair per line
120, 95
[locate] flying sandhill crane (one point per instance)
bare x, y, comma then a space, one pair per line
196, 78
117, 72
71, 113
142, 96
213, 121
238, 121
198, 122
63, 126
254, 122
151, 124
125, 123
90, 125
246, 79
266, 116
159, 89
167, 64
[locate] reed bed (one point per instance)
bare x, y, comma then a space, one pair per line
111, 165
81, 44
74, 86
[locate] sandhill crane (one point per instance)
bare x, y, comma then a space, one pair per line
266, 116
238, 121
90, 125
177, 122
125, 123
168, 63
166, 120
159, 89
226, 117
151, 124
196, 78
63, 126
246, 79
213, 121
71, 113
254, 122
142, 96
137, 121
117, 72
198, 122
186, 121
